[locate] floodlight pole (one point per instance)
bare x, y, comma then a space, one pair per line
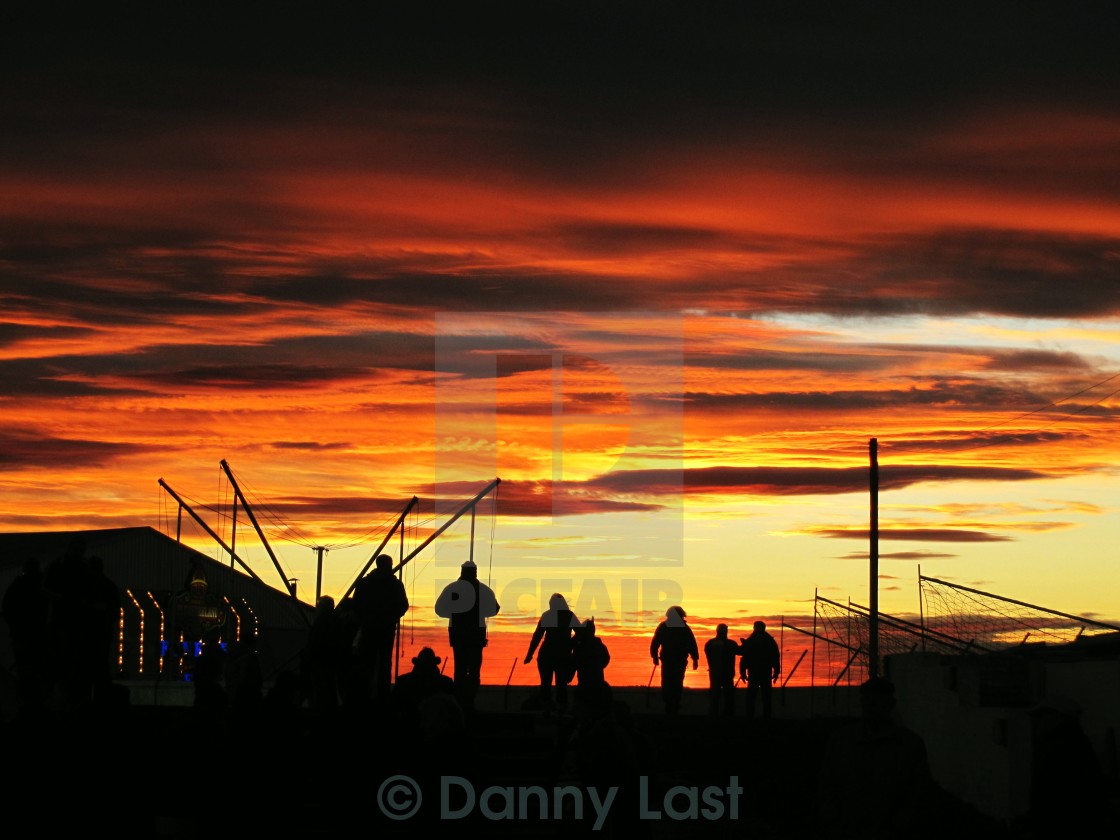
256, 526
873, 533
319, 549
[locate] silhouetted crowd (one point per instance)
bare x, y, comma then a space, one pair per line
342, 716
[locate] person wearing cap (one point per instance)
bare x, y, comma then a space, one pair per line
466, 603
673, 644
381, 602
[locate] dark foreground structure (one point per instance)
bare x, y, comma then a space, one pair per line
146, 760
162, 771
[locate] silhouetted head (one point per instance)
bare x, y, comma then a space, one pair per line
426, 658
721, 631
469, 570
675, 616
557, 602
588, 627
876, 697
384, 562
759, 626
325, 603
76, 550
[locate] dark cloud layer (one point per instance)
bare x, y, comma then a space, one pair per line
218, 188
953, 535
28, 449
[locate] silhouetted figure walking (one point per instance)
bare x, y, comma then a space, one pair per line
381, 601
466, 603
721, 652
553, 637
26, 610
673, 644
760, 663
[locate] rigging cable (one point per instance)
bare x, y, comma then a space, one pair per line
1057, 420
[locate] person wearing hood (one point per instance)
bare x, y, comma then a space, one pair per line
590, 658
466, 603
552, 643
673, 644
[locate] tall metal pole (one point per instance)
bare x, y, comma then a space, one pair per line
319, 573
233, 531
873, 630
184, 506
432, 537
384, 542
921, 609
256, 526
471, 555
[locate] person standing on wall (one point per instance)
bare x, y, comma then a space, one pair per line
673, 644
720, 651
552, 644
381, 601
466, 603
760, 663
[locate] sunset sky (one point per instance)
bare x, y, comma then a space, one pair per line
664, 273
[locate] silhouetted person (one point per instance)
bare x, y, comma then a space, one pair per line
347, 624
381, 601
282, 723
26, 610
553, 637
760, 663
321, 656
424, 680
721, 652
208, 676
1069, 790
590, 657
244, 677
466, 603
673, 644
103, 603
878, 758
609, 752
66, 582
